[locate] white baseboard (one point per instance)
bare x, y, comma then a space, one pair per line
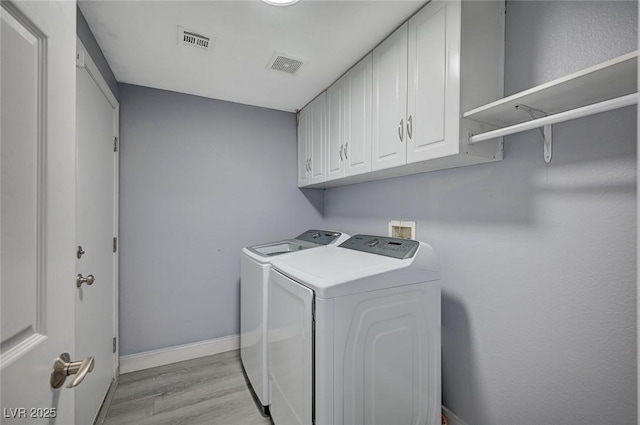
178, 353
451, 417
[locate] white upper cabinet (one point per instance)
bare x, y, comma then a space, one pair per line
433, 106
418, 91
357, 123
317, 139
399, 110
312, 134
349, 122
390, 101
303, 148
335, 129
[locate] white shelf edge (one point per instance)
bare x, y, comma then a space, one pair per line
608, 105
550, 85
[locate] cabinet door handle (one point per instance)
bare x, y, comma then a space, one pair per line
346, 145
341, 146
401, 129
309, 164
410, 127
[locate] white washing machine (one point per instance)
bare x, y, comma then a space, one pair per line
354, 335
254, 274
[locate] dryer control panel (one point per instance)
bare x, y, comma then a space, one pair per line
382, 245
321, 237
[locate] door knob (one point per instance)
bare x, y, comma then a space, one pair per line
63, 367
88, 280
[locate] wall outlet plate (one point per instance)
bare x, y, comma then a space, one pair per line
402, 229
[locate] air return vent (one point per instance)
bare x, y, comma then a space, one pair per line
285, 63
192, 38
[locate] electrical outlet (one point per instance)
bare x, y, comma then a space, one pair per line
402, 229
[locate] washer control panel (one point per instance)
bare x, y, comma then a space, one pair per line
382, 245
320, 237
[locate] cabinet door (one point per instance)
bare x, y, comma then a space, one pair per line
303, 148
357, 150
335, 129
434, 95
390, 101
317, 136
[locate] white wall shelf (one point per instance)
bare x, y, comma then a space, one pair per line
606, 86
605, 81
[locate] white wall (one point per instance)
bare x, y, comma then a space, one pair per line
538, 261
199, 180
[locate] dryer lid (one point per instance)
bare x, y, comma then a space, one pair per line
382, 245
337, 271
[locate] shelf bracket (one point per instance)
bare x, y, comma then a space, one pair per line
547, 134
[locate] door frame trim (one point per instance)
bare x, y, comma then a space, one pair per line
84, 61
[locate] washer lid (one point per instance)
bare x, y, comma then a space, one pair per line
268, 251
265, 253
337, 271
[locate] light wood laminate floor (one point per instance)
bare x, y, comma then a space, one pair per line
206, 391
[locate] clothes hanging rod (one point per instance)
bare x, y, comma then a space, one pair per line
607, 105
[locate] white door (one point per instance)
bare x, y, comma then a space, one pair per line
433, 98
317, 137
390, 101
96, 126
290, 339
335, 129
358, 118
303, 148
38, 202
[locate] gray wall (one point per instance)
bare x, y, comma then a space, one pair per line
538, 261
89, 41
199, 180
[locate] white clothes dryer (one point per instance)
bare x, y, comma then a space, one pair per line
354, 335
254, 273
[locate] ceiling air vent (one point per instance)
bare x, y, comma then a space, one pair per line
188, 37
285, 63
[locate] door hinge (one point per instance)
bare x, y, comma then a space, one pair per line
115, 143
115, 344
115, 244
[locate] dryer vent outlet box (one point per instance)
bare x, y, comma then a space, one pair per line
402, 229
187, 37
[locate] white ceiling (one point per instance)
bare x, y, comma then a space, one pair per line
140, 42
